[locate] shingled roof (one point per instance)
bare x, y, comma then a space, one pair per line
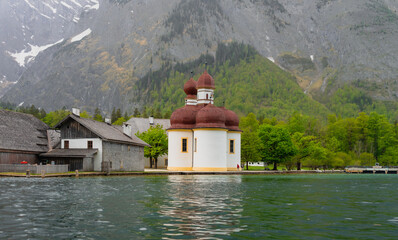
105, 131
22, 132
142, 124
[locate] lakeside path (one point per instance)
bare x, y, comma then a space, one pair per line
160, 172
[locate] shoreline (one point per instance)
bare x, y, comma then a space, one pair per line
166, 173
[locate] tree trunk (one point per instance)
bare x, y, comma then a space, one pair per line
150, 162
275, 166
247, 165
156, 163
299, 165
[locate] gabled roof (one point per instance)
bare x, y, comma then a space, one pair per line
22, 132
105, 131
142, 124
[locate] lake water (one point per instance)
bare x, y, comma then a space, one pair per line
335, 206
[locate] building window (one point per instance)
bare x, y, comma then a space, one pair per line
207, 96
66, 144
184, 145
196, 144
231, 146
90, 144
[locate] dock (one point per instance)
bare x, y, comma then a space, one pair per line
372, 170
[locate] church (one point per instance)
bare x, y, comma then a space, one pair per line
203, 137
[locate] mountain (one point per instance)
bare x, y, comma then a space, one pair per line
245, 81
28, 27
328, 45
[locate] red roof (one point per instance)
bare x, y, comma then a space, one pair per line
184, 118
205, 81
204, 116
190, 89
210, 116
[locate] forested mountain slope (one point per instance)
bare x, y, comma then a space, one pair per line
332, 48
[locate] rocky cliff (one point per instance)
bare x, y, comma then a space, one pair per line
326, 44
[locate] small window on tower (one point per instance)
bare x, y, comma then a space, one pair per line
66, 144
207, 96
90, 144
196, 144
184, 145
231, 146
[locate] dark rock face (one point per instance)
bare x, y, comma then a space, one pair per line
28, 27
347, 41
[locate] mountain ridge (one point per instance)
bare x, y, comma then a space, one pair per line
325, 44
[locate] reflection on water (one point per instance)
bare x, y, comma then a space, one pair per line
201, 207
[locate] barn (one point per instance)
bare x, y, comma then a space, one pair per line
23, 138
90, 145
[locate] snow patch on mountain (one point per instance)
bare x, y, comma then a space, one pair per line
54, 10
33, 7
81, 35
92, 7
67, 5
25, 57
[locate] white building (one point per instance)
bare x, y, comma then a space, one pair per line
142, 125
89, 145
203, 137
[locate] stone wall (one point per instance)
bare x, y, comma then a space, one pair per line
123, 157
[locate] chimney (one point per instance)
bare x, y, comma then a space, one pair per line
127, 129
108, 121
151, 120
76, 111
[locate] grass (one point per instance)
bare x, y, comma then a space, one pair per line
280, 168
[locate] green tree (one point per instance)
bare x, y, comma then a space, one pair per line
250, 142
42, 113
136, 113
52, 118
119, 121
304, 145
389, 157
113, 115
97, 115
126, 116
277, 145
85, 114
156, 137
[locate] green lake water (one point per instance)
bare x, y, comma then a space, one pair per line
338, 206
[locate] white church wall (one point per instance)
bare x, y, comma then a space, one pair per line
233, 159
178, 160
211, 150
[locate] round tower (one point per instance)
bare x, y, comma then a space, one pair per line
205, 87
210, 134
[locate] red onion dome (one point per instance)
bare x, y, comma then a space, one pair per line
190, 89
210, 117
205, 81
184, 117
231, 120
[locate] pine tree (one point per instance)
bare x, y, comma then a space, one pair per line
136, 113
